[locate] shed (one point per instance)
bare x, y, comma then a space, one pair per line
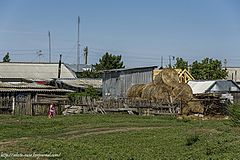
34, 71
234, 74
117, 81
78, 84
213, 86
21, 98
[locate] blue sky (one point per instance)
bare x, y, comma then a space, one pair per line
140, 30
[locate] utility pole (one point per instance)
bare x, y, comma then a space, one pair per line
161, 62
49, 46
170, 65
78, 47
39, 54
59, 66
225, 64
85, 50
170, 60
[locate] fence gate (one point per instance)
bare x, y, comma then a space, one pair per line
6, 101
22, 104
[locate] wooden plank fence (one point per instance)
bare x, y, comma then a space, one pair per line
130, 106
27, 104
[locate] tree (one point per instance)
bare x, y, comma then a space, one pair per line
89, 74
6, 58
208, 69
181, 64
109, 61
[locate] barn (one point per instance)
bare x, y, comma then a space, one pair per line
24, 88
116, 82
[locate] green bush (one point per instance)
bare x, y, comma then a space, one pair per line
88, 92
234, 113
191, 139
89, 74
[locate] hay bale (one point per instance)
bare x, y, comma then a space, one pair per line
182, 92
160, 93
147, 91
135, 91
167, 76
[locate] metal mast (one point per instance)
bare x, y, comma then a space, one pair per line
78, 47
49, 49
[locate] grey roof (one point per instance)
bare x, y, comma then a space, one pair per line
82, 82
127, 69
34, 71
82, 67
210, 86
28, 87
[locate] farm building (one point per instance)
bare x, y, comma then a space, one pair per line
213, 86
78, 84
22, 90
21, 98
234, 74
116, 82
34, 71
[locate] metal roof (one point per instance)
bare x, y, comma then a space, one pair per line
207, 86
24, 85
82, 67
29, 87
200, 86
35, 90
82, 82
34, 71
127, 69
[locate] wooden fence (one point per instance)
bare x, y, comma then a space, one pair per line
131, 106
27, 104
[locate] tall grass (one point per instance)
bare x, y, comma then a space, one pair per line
234, 113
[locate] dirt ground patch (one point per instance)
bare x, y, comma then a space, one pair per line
13, 141
97, 131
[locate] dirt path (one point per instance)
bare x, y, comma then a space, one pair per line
82, 133
97, 131
14, 141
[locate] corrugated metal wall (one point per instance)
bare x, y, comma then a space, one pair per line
116, 84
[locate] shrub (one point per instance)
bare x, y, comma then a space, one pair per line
234, 113
191, 139
88, 92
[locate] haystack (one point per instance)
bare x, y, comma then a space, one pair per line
147, 91
135, 91
182, 92
167, 76
160, 93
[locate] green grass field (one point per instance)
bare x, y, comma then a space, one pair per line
119, 137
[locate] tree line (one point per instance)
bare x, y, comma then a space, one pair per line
206, 69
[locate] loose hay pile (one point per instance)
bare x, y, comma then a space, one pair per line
192, 107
